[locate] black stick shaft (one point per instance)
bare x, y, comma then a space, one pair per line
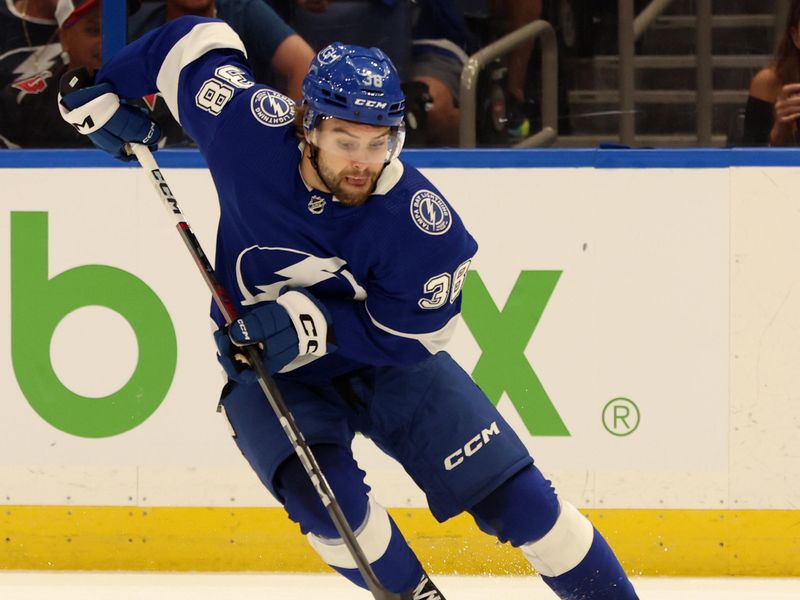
266, 382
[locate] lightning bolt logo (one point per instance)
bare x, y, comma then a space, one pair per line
305, 270
271, 108
430, 213
278, 107
28, 61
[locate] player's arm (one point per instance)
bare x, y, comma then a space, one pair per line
363, 338
198, 65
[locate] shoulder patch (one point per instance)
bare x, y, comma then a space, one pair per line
430, 213
271, 108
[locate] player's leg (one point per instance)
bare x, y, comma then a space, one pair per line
561, 544
465, 456
393, 562
262, 441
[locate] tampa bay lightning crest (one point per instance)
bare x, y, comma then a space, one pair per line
262, 271
271, 108
431, 213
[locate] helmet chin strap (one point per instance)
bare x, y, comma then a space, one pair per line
313, 157
313, 151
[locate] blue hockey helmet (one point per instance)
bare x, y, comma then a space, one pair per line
355, 84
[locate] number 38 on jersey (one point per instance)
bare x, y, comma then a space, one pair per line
443, 287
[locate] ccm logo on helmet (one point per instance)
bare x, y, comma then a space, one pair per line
471, 447
370, 103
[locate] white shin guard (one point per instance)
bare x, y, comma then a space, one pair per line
564, 546
373, 536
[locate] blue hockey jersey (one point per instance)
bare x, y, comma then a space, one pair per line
390, 271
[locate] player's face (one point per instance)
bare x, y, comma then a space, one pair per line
83, 41
350, 158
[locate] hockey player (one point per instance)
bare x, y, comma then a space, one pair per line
338, 229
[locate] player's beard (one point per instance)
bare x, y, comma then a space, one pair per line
349, 194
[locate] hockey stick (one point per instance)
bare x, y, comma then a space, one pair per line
266, 382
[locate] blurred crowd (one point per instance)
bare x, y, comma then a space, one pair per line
428, 40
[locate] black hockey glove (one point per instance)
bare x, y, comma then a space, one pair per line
96, 111
293, 329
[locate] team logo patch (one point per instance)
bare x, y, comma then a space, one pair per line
32, 85
263, 271
271, 108
430, 213
316, 205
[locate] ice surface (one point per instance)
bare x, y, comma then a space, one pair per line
160, 586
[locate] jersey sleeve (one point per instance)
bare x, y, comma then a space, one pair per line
414, 290
198, 66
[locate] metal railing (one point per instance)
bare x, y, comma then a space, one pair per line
630, 29
469, 83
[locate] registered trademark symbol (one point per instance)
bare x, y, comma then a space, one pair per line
621, 417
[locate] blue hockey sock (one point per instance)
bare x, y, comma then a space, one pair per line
577, 563
393, 562
569, 554
398, 569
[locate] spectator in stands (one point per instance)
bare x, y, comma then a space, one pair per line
517, 13
27, 38
25, 23
430, 73
441, 46
773, 106
277, 55
442, 42
29, 116
384, 24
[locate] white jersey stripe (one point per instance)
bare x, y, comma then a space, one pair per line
201, 39
433, 341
